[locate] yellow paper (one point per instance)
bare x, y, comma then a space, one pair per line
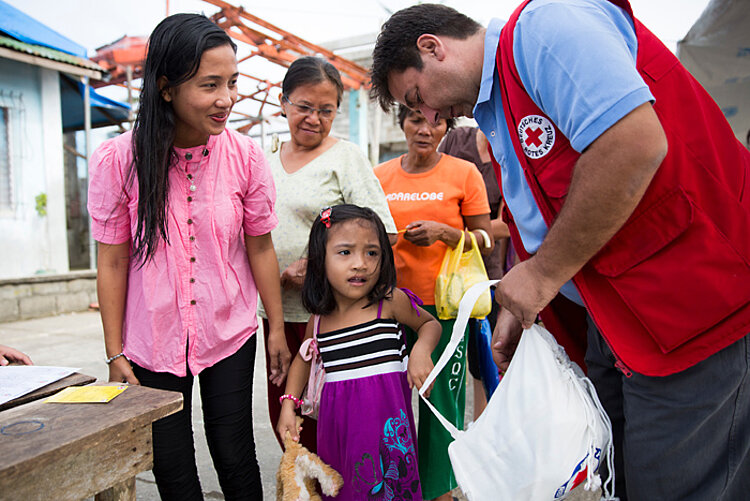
86, 394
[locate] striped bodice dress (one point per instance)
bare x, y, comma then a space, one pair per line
365, 422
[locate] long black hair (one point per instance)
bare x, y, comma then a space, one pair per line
317, 296
175, 48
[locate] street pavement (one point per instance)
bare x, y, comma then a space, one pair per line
76, 340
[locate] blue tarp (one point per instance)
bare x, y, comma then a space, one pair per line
104, 111
27, 29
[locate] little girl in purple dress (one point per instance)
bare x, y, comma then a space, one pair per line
365, 423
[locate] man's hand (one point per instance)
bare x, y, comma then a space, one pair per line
526, 290
278, 353
505, 338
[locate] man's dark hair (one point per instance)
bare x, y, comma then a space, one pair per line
396, 46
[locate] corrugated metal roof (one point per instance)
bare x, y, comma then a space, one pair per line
47, 53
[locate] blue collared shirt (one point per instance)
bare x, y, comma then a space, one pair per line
576, 60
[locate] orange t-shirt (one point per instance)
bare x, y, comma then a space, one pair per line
452, 189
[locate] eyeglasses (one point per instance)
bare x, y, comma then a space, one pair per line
303, 109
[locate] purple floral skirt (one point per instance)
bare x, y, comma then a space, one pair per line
366, 432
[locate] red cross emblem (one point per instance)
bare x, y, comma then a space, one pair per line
532, 136
537, 135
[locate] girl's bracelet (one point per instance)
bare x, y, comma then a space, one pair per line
114, 357
289, 396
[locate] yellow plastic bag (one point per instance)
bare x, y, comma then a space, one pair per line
459, 271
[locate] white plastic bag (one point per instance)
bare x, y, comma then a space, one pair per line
543, 431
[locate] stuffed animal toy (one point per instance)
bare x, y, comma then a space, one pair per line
298, 470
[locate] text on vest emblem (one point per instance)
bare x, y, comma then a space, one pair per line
537, 135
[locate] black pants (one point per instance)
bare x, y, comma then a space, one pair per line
683, 437
227, 402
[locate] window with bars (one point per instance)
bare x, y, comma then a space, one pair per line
6, 179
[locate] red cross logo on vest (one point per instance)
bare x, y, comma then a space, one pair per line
532, 137
537, 135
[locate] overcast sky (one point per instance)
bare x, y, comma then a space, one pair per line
93, 23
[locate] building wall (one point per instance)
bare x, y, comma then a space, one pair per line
33, 243
385, 137
45, 295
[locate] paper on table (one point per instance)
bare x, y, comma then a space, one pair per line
18, 380
86, 394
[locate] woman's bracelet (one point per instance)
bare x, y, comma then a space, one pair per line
485, 237
289, 396
114, 357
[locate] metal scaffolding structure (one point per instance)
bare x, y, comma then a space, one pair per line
124, 60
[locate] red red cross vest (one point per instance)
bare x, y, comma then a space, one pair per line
672, 286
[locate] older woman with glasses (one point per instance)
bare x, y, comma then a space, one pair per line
311, 171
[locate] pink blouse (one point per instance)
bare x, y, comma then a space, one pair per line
195, 302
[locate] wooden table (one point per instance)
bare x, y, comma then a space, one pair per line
74, 451
75, 379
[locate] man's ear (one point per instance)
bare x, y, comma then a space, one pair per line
164, 89
431, 45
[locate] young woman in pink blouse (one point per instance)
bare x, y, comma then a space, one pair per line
182, 209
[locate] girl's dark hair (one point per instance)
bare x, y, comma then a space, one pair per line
310, 70
317, 296
403, 112
175, 48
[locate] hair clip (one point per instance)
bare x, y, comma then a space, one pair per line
325, 216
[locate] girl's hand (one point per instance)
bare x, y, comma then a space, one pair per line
294, 275
120, 371
279, 355
288, 422
420, 366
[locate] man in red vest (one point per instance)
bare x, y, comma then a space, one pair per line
628, 198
